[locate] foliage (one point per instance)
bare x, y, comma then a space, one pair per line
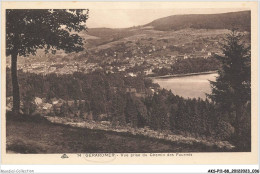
48, 29
29, 30
232, 89
190, 65
100, 96
233, 85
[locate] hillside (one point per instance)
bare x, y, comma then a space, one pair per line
23, 137
152, 46
240, 20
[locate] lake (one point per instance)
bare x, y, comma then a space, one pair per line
188, 86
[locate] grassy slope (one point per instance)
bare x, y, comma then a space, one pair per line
37, 135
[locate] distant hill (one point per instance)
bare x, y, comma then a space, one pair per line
240, 20
173, 35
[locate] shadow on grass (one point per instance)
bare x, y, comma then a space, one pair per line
96, 139
10, 116
19, 146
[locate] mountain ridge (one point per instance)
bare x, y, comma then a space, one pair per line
240, 20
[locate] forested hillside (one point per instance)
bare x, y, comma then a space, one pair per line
240, 20
121, 101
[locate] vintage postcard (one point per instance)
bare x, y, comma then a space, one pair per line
129, 83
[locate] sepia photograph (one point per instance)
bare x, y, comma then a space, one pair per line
127, 80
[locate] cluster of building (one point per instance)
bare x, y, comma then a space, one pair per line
146, 54
59, 67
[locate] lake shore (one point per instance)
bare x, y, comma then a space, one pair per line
183, 75
193, 85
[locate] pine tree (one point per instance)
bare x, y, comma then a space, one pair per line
131, 111
118, 109
232, 89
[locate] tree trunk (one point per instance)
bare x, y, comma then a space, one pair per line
238, 129
16, 93
237, 125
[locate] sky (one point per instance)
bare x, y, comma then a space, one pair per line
123, 18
